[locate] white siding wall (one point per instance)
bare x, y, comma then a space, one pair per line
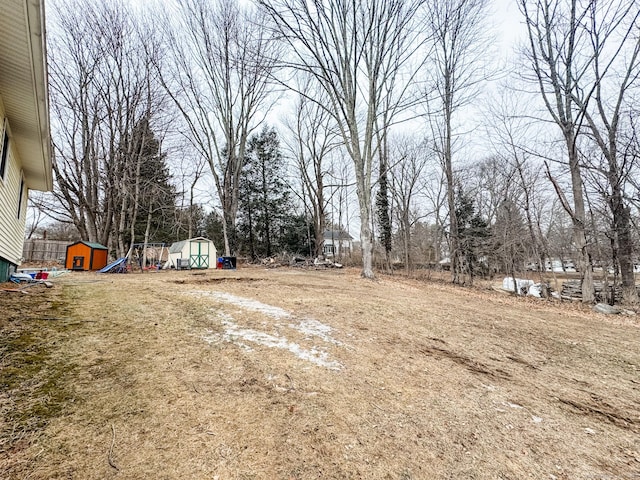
11, 227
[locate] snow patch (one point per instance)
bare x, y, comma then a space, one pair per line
233, 333
247, 303
314, 328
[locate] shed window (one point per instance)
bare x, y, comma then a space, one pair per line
4, 154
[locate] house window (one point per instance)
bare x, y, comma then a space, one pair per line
329, 249
20, 197
4, 154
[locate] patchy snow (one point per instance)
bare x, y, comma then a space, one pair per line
235, 334
239, 335
314, 328
247, 303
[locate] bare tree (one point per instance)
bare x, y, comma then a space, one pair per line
510, 137
631, 138
217, 70
191, 171
435, 196
101, 88
35, 215
74, 65
554, 53
492, 181
409, 161
314, 139
457, 67
613, 29
579, 52
353, 49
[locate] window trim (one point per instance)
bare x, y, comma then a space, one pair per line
5, 145
21, 195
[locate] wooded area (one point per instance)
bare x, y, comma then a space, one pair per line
262, 124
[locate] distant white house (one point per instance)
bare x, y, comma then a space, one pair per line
445, 263
337, 243
554, 265
25, 153
192, 253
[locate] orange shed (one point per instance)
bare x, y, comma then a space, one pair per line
86, 256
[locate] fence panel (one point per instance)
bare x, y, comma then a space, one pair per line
37, 250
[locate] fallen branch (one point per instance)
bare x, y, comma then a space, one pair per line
113, 441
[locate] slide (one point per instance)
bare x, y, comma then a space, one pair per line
119, 266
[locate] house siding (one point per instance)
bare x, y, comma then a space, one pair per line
12, 225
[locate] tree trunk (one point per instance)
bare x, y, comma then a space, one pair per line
146, 238
366, 237
191, 211
621, 221
121, 226
225, 235
455, 256
265, 207
252, 241
382, 200
407, 241
579, 220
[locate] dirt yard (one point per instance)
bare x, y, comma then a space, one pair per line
292, 374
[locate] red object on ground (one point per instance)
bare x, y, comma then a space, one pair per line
42, 275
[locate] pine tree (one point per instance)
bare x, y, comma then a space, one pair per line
473, 233
265, 208
213, 229
157, 199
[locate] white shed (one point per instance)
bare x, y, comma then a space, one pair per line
196, 252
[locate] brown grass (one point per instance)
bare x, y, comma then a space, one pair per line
435, 382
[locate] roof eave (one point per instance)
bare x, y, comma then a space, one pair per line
35, 23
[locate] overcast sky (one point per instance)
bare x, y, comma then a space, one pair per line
508, 21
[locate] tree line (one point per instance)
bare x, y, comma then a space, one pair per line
399, 110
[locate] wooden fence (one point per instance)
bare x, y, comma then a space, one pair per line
38, 250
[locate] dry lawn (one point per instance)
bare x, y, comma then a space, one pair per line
292, 374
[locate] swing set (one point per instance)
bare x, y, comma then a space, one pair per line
144, 256
149, 256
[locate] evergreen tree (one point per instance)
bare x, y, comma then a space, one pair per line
213, 229
143, 204
265, 209
298, 236
473, 233
155, 219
